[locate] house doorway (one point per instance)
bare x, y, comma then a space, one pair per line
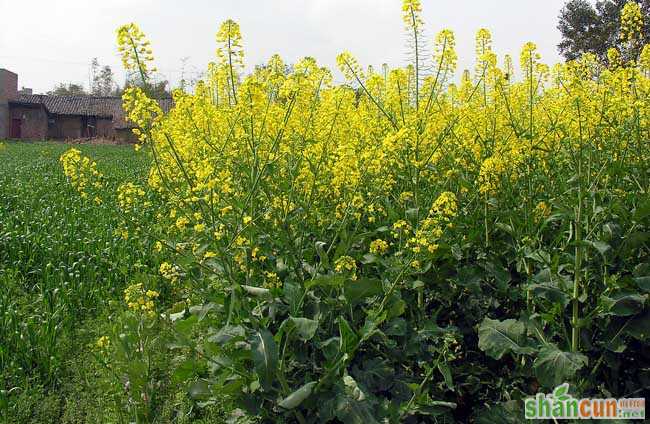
15, 128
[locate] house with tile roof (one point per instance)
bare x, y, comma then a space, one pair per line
24, 115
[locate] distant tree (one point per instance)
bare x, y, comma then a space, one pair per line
103, 80
68, 89
156, 89
588, 28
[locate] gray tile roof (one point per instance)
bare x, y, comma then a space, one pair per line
100, 107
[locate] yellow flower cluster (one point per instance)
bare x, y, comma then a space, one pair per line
631, 21
103, 343
172, 272
135, 49
128, 195
81, 172
431, 229
140, 300
445, 206
272, 281
141, 110
378, 247
542, 210
346, 264
300, 157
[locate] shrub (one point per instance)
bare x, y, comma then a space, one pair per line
402, 247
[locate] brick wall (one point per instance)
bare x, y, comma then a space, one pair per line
33, 122
105, 128
8, 91
70, 127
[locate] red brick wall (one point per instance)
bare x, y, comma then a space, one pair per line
33, 122
8, 91
8, 85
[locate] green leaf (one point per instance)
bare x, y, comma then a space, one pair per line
553, 367
624, 304
497, 338
396, 327
350, 411
349, 338
184, 327
639, 327
306, 327
643, 283
550, 293
600, 246
185, 370
227, 333
358, 290
332, 280
396, 307
369, 258
446, 374
199, 390
202, 310
265, 357
296, 398
501, 413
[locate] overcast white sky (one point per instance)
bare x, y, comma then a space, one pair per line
51, 41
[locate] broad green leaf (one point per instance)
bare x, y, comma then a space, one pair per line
265, 357
624, 304
202, 310
330, 347
368, 259
553, 367
227, 333
502, 413
185, 370
296, 398
350, 411
332, 280
600, 246
199, 390
348, 337
643, 283
362, 288
396, 307
306, 327
550, 293
396, 327
497, 338
185, 326
376, 374
639, 327
471, 277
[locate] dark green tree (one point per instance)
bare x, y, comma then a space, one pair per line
588, 28
68, 89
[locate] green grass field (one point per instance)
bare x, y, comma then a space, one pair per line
62, 273
60, 266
